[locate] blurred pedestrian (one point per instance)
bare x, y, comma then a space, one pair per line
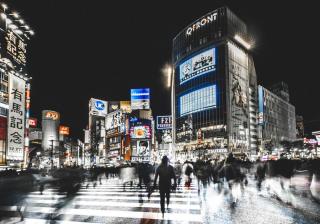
165, 172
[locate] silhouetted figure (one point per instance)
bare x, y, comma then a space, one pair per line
165, 172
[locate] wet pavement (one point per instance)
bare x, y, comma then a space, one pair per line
109, 202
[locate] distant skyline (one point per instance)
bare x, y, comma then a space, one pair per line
96, 49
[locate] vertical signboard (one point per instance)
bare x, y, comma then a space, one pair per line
16, 118
261, 102
15, 49
140, 99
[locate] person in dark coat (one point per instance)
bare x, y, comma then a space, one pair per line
165, 172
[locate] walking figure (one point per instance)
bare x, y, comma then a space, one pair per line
165, 172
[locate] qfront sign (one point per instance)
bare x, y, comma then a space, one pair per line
201, 22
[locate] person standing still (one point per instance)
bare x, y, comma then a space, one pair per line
165, 172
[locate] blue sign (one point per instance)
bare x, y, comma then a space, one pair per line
99, 105
197, 65
198, 100
140, 99
261, 106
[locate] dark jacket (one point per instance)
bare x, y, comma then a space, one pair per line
165, 174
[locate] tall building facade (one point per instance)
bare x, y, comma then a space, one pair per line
214, 87
277, 119
14, 89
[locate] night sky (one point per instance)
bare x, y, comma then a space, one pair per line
101, 49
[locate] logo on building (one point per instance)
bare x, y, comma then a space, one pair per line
52, 115
99, 105
202, 22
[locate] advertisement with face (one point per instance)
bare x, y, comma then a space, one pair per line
198, 65
143, 148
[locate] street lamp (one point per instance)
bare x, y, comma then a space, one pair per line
167, 73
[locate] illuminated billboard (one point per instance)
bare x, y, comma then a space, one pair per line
33, 122
198, 65
52, 115
14, 48
98, 107
16, 118
141, 151
140, 132
164, 122
64, 130
113, 106
198, 100
125, 106
115, 120
261, 107
140, 99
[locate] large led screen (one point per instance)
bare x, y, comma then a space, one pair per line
198, 65
143, 131
198, 100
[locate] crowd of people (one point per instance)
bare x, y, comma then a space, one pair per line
224, 174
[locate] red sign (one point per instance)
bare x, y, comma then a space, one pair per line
64, 130
33, 122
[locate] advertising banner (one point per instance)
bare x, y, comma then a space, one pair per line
64, 130
113, 106
86, 137
98, 107
125, 106
114, 120
16, 118
15, 49
261, 102
164, 122
198, 100
33, 122
140, 132
51, 115
198, 65
140, 99
141, 151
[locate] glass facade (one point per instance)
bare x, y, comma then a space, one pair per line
211, 104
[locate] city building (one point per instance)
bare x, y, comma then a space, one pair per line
277, 120
14, 89
214, 88
281, 89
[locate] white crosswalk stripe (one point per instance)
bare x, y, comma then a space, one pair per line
104, 202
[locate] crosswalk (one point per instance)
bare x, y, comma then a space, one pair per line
107, 202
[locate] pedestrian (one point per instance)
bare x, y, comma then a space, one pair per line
165, 172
